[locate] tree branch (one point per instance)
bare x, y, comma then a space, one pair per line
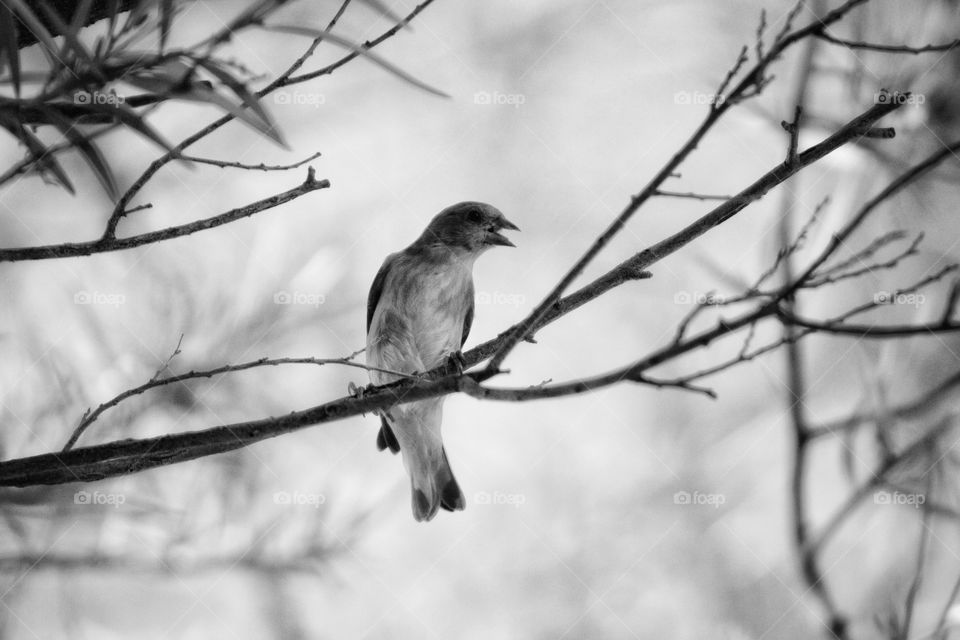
754, 79
285, 79
91, 416
887, 48
104, 245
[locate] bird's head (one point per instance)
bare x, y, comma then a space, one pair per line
469, 226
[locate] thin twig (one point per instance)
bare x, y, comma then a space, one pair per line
90, 416
104, 245
283, 80
906, 411
753, 80
887, 48
689, 194
251, 167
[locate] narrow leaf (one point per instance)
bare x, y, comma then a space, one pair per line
127, 116
42, 157
71, 36
9, 53
30, 20
269, 127
384, 10
91, 153
200, 93
359, 50
166, 19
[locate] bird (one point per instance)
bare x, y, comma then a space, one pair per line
419, 313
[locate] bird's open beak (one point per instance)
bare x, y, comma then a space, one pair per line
495, 238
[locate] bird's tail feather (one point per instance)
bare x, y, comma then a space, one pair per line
451, 497
434, 490
386, 439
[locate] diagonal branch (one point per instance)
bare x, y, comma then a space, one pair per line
754, 80
91, 416
284, 79
104, 245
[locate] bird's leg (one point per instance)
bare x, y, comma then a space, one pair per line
455, 362
357, 392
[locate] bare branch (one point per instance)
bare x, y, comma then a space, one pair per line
915, 584
251, 167
753, 80
869, 331
689, 194
907, 411
104, 245
741, 60
90, 416
793, 128
887, 48
676, 384
853, 129
877, 479
285, 79
838, 272
786, 252
903, 180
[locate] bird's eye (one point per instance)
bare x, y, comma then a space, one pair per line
475, 216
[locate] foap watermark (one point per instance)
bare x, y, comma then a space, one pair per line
697, 297
895, 97
499, 497
99, 297
99, 498
497, 98
914, 500
300, 98
299, 297
499, 297
299, 499
697, 98
699, 499
108, 98
894, 297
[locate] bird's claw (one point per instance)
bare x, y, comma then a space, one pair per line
356, 392
456, 362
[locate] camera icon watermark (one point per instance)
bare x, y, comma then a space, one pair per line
697, 98
500, 298
99, 498
697, 297
915, 500
109, 98
299, 499
514, 100
895, 97
299, 98
892, 297
299, 298
499, 498
98, 297
697, 498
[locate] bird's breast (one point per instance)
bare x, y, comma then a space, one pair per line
430, 300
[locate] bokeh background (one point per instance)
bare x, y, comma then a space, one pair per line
559, 111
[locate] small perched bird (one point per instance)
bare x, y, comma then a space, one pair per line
419, 314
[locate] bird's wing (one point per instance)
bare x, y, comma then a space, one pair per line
467, 321
376, 289
385, 438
